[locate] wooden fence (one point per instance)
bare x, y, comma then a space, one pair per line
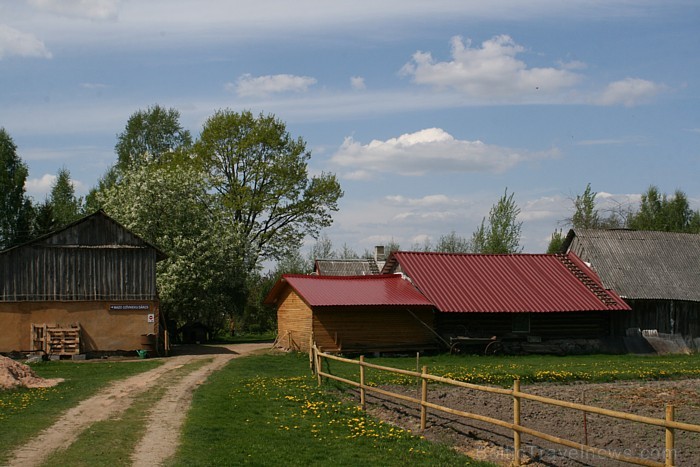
669, 424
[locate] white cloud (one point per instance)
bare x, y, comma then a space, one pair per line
629, 92
248, 85
426, 201
429, 150
38, 188
93, 86
15, 42
491, 70
553, 208
359, 175
611, 141
358, 83
91, 9
573, 65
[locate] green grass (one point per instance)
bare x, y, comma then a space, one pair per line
267, 410
502, 370
111, 442
243, 338
25, 412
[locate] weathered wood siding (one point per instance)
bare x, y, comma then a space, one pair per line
588, 325
95, 259
36, 273
102, 328
293, 322
353, 329
666, 316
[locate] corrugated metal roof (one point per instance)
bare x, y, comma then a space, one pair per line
317, 291
506, 283
346, 267
642, 264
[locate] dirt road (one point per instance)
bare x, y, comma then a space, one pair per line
115, 399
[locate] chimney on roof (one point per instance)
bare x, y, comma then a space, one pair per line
379, 253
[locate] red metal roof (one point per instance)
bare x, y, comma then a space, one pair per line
376, 290
506, 283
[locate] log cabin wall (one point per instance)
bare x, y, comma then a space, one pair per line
576, 325
293, 322
354, 329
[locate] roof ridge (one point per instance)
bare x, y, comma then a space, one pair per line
600, 292
363, 277
445, 253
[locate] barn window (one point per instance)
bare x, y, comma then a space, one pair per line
521, 322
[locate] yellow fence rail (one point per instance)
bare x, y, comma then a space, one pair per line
669, 424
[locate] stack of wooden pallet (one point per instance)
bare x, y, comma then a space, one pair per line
56, 339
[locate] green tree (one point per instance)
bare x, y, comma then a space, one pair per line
65, 206
453, 243
204, 277
657, 211
258, 317
92, 199
346, 252
149, 135
321, 249
260, 172
502, 232
585, 213
390, 247
16, 209
556, 242
44, 219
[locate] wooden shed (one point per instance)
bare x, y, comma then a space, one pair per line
90, 286
351, 314
656, 273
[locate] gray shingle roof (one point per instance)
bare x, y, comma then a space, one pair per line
346, 267
642, 264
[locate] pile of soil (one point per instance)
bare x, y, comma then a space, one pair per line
488, 442
14, 374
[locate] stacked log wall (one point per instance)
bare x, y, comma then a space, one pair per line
293, 322
373, 328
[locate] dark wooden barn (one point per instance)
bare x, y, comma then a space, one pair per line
527, 298
90, 286
656, 273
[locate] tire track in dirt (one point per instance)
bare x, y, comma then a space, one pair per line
167, 416
164, 421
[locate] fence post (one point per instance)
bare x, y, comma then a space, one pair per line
516, 422
311, 352
423, 398
670, 441
363, 403
318, 364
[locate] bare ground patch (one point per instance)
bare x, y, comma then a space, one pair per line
487, 442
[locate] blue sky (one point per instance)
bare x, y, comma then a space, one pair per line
426, 111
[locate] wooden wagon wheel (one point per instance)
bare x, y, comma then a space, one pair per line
494, 348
